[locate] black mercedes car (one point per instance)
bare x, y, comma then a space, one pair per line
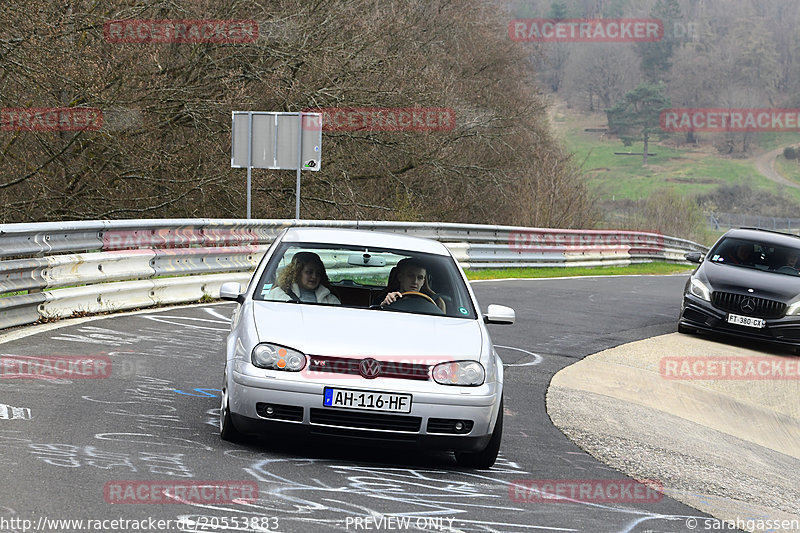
747, 285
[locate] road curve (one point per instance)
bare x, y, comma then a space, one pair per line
67, 445
765, 165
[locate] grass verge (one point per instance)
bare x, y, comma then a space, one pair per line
557, 272
788, 169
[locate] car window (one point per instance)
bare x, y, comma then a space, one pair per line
360, 277
746, 253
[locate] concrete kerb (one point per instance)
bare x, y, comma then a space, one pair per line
725, 447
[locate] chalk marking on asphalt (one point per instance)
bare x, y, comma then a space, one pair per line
536, 357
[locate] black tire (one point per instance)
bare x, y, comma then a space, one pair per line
227, 429
485, 458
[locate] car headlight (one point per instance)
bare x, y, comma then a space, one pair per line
276, 357
794, 309
699, 289
464, 373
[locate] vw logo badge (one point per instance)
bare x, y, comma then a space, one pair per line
369, 368
748, 305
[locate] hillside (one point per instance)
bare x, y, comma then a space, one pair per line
695, 171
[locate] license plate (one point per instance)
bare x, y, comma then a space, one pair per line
747, 321
372, 401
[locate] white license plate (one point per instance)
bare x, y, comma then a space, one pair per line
372, 401
747, 321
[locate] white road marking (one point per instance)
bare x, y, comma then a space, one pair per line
536, 357
8, 412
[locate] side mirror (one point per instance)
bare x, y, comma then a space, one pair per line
231, 290
499, 314
694, 257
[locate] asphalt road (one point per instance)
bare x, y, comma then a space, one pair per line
66, 446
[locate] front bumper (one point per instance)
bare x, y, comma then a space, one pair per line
700, 314
299, 410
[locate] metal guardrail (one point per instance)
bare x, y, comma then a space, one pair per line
59, 269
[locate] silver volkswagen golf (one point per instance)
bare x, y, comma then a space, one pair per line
367, 335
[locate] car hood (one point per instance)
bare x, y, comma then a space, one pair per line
734, 279
341, 331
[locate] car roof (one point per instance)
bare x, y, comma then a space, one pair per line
765, 236
367, 238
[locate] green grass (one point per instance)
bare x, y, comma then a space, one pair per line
689, 171
15, 293
556, 272
770, 140
789, 169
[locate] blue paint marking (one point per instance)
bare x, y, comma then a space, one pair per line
203, 393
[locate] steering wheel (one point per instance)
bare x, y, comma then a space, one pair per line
415, 293
786, 269
416, 302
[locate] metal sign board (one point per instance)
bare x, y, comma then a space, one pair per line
277, 141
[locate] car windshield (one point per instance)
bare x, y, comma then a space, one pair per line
757, 255
354, 276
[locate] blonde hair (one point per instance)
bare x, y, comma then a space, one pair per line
291, 273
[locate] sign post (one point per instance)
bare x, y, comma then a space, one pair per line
278, 141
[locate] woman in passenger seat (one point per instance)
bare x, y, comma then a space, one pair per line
410, 274
304, 280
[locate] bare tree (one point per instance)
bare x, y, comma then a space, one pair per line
164, 148
599, 75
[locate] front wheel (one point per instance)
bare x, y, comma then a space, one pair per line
486, 457
227, 431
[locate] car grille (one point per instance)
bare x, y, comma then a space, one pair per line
742, 303
347, 365
362, 420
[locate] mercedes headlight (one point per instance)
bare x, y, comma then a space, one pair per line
794, 309
276, 357
463, 373
699, 289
